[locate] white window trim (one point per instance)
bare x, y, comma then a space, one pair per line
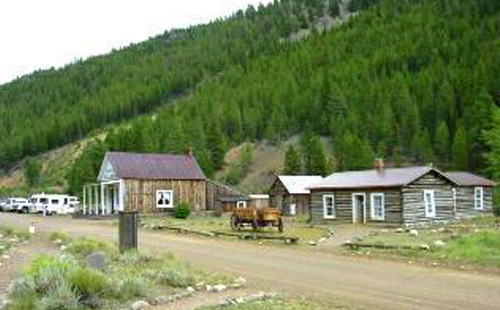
479, 206
454, 199
372, 204
325, 214
433, 202
241, 204
354, 209
169, 206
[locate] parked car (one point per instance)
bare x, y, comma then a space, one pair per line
13, 204
3, 201
53, 204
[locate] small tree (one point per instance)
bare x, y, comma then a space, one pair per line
182, 211
460, 152
32, 172
292, 162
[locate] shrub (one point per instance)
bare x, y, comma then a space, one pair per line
84, 246
61, 297
22, 287
130, 258
88, 283
182, 211
132, 286
177, 277
56, 235
27, 302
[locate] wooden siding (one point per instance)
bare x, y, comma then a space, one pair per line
140, 195
216, 190
344, 201
413, 200
280, 198
465, 202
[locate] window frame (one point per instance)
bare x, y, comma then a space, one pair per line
243, 202
164, 206
454, 199
433, 203
481, 201
372, 206
325, 213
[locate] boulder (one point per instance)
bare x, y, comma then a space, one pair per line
399, 230
425, 247
313, 243
414, 233
219, 288
139, 305
96, 260
163, 300
439, 243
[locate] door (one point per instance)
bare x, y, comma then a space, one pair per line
358, 207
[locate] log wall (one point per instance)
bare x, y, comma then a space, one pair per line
140, 195
465, 202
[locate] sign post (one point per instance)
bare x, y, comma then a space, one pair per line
128, 227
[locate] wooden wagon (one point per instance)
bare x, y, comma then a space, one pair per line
256, 218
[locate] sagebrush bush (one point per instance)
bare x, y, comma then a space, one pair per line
182, 211
61, 297
131, 257
88, 283
84, 246
27, 302
177, 277
22, 287
132, 286
57, 235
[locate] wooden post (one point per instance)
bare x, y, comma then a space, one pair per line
128, 228
96, 193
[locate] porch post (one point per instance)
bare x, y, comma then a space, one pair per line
121, 197
103, 200
84, 199
96, 193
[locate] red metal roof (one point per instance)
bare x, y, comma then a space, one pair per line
469, 179
155, 166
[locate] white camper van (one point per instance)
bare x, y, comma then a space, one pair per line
53, 204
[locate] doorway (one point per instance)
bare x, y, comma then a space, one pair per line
359, 208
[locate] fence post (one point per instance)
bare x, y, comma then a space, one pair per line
128, 226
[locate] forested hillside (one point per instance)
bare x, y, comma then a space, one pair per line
414, 80
50, 108
409, 80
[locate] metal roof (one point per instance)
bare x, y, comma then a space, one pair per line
154, 166
387, 177
469, 179
298, 184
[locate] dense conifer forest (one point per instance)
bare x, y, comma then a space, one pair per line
408, 80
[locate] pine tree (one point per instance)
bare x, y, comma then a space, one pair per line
215, 143
460, 152
442, 142
318, 160
292, 162
32, 172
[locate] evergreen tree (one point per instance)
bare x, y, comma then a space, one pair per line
460, 153
292, 162
318, 160
215, 143
32, 172
442, 142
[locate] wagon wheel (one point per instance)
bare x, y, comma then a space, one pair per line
280, 225
235, 225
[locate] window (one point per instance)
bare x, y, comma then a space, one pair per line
478, 198
328, 207
44, 200
164, 199
241, 204
34, 200
378, 206
54, 201
429, 203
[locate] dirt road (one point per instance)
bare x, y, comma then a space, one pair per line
351, 281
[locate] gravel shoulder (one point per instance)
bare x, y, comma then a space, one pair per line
372, 284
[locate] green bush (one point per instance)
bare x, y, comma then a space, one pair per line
177, 277
27, 302
56, 235
182, 211
88, 283
22, 287
84, 246
61, 297
133, 286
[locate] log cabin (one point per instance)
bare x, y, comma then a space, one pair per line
290, 195
411, 196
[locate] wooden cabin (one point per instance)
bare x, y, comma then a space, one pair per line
151, 183
408, 196
290, 193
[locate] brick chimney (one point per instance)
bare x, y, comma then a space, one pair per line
378, 164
